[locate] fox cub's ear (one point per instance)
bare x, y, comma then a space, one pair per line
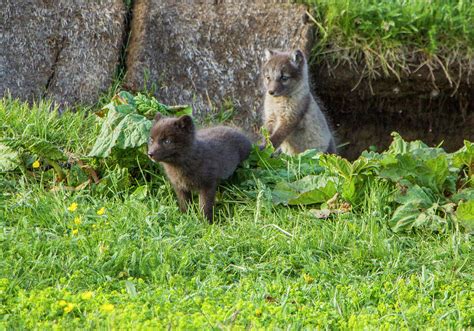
297, 57
157, 118
268, 54
185, 123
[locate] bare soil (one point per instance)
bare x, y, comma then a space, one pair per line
423, 105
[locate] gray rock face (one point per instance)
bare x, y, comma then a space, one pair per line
205, 53
66, 50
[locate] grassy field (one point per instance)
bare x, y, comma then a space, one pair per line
388, 36
120, 254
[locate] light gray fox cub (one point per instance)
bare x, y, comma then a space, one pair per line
291, 114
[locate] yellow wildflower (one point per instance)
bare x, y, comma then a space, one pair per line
102, 248
36, 164
87, 295
62, 303
258, 312
94, 226
69, 307
77, 220
75, 232
72, 207
101, 211
107, 307
308, 279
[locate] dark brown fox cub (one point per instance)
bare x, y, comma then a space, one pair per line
195, 160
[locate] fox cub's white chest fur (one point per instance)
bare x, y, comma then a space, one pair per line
291, 114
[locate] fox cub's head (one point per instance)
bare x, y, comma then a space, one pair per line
170, 137
283, 72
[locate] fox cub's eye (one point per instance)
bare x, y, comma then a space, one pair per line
284, 78
166, 141
267, 78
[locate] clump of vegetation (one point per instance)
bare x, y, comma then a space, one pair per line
127, 122
427, 183
394, 37
307, 241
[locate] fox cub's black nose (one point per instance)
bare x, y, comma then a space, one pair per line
271, 92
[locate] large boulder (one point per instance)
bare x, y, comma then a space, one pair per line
65, 50
209, 53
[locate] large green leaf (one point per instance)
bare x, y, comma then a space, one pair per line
465, 194
400, 146
354, 175
422, 165
308, 190
149, 105
420, 196
404, 217
107, 138
122, 102
419, 209
181, 110
464, 156
465, 214
430, 172
349, 190
264, 158
126, 98
337, 165
126, 124
9, 159
134, 131
121, 131
429, 219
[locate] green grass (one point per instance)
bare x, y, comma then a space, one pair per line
144, 264
388, 36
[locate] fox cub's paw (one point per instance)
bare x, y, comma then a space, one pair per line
277, 152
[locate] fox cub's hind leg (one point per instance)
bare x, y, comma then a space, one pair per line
184, 199
206, 201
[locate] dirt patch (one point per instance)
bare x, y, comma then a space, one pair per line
425, 105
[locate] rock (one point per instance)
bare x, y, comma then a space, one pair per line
65, 50
209, 53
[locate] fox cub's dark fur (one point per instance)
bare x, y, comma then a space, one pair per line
195, 160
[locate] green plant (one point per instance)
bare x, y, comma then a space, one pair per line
120, 254
127, 122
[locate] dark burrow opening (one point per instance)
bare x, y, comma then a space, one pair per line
416, 106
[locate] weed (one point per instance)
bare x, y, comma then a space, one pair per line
119, 254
